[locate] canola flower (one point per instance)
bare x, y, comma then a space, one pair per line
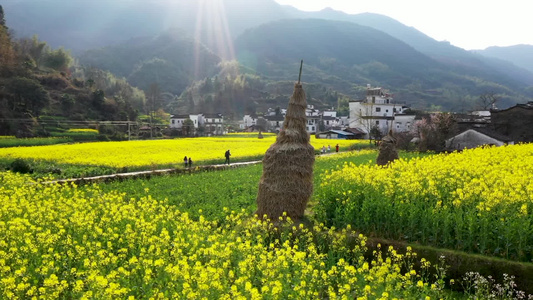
83, 130
155, 152
479, 200
65, 242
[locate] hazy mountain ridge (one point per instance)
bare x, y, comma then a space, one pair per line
520, 55
172, 59
416, 67
361, 55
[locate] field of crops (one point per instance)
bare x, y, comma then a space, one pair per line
167, 153
194, 236
479, 201
86, 242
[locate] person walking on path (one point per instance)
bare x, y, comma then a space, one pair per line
337, 148
185, 161
190, 162
323, 149
329, 148
227, 155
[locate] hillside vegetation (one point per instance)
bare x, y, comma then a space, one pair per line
38, 82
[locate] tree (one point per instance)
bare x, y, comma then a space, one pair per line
33, 49
188, 127
7, 53
58, 59
2, 18
434, 131
153, 97
488, 100
27, 95
375, 133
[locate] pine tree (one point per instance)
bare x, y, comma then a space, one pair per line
2, 18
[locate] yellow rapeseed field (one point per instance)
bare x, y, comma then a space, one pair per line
157, 152
479, 200
63, 242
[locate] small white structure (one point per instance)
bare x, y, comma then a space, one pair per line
248, 121
176, 121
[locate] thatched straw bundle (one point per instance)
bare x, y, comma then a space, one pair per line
287, 181
387, 150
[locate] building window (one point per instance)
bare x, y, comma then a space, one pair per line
386, 110
377, 122
313, 128
378, 109
373, 99
387, 100
173, 121
394, 110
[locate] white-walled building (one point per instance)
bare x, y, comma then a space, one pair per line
248, 121
212, 123
379, 110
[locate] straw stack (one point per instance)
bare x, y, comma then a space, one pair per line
287, 181
387, 150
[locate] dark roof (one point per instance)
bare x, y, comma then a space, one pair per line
216, 115
490, 133
528, 105
354, 130
275, 118
342, 132
179, 116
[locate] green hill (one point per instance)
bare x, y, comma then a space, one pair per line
345, 56
172, 59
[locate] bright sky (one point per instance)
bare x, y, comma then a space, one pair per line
469, 24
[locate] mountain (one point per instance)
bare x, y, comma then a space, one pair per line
346, 56
84, 25
463, 61
172, 59
520, 55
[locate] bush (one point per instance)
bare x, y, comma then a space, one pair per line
21, 166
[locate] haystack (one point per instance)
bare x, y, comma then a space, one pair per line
387, 150
287, 181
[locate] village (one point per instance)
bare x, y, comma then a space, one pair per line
373, 117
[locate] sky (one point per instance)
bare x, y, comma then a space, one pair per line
469, 24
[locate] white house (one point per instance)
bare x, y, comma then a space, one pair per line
248, 121
176, 121
213, 124
379, 110
275, 122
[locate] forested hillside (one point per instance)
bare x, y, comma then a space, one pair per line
39, 82
173, 60
346, 55
340, 58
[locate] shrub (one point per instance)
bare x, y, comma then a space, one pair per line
20, 166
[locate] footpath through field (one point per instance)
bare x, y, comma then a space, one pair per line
150, 173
